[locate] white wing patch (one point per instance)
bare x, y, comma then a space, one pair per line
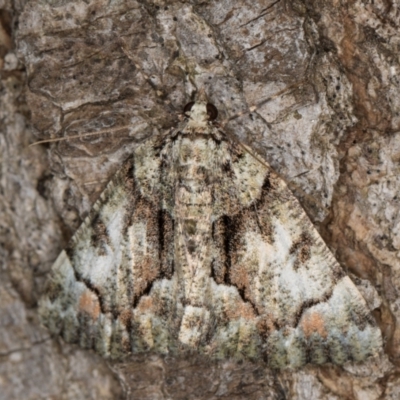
197, 246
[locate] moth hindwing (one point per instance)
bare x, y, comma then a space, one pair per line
197, 246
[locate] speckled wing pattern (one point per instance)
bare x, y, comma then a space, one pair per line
196, 246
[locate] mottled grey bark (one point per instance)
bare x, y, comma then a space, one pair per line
331, 130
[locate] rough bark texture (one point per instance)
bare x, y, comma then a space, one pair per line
331, 129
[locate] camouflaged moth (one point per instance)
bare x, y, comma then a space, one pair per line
196, 246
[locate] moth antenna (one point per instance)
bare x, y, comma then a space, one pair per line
82, 135
251, 152
246, 148
301, 193
89, 183
289, 181
262, 102
88, 134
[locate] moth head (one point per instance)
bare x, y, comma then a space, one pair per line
200, 110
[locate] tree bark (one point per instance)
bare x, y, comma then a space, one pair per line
329, 70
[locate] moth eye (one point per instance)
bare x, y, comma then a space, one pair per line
188, 107
212, 112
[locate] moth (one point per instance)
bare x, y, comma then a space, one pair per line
195, 246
